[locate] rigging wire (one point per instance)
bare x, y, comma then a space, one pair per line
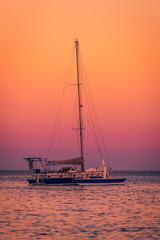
60, 107
94, 118
92, 113
60, 139
49, 121
75, 117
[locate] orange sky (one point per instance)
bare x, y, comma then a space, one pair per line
119, 42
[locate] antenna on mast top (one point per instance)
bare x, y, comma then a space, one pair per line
76, 39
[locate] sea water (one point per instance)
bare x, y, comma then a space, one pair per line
129, 211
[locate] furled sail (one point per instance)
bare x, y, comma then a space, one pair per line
78, 161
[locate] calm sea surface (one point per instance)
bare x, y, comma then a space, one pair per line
129, 211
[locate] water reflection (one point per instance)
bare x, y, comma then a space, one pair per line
130, 211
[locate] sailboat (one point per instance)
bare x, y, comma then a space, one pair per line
69, 174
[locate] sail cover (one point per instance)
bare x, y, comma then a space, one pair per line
78, 161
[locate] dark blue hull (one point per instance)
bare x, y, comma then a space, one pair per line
33, 181
99, 181
78, 181
50, 181
58, 180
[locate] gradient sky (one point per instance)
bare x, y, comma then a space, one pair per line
120, 45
